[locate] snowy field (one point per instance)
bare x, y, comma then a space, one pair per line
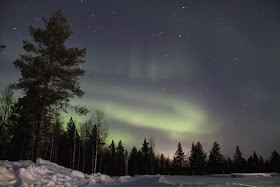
45, 173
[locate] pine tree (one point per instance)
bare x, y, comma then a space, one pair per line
256, 163
162, 161
198, 159
144, 156
113, 162
238, 161
167, 166
179, 157
120, 154
215, 161
72, 137
228, 165
152, 158
49, 70
275, 162
261, 164
133, 161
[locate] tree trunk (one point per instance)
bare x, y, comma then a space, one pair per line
134, 166
40, 133
74, 150
126, 163
84, 159
96, 149
152, 169
101, 157
79, 154
51, 151
95, 157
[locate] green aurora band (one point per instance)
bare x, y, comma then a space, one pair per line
155, 110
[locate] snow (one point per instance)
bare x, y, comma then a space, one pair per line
250, 175
46, 173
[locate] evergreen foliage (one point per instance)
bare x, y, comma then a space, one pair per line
275, 162
198, 159
238, 161
133, 162
216, 159
120, 157
179, 159
50, 71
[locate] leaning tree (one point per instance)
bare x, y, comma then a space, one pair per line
50, 71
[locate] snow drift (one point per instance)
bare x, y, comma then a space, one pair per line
45, 173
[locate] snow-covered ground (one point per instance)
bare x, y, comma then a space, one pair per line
45, 173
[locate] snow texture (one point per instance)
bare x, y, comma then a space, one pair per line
45, 173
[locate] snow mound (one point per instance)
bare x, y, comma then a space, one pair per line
250, 175
7, 177
46, 173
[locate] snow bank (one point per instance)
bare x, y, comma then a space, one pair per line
234, 175
45, 173
220, 175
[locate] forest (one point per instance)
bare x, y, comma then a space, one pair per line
31, 125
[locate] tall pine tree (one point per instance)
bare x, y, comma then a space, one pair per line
120, 154
198, 159
238, 161
179, 157
133, 161
50, 70
216, 159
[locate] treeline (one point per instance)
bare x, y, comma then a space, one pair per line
83, 147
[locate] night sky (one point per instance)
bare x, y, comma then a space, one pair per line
173, 70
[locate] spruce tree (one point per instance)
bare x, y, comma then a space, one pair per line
215, 161
238, 161
112, 151
72, 139
198, 159
144, 155
179, 157
133, 161
275, 162
120, 154
50, 72
256, 162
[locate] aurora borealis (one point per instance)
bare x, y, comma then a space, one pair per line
171, 70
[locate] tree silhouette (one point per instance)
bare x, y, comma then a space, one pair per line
215, 161
198, 159
133, 161
120, 156
50, 70
238, 161
275, 162
179, 158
